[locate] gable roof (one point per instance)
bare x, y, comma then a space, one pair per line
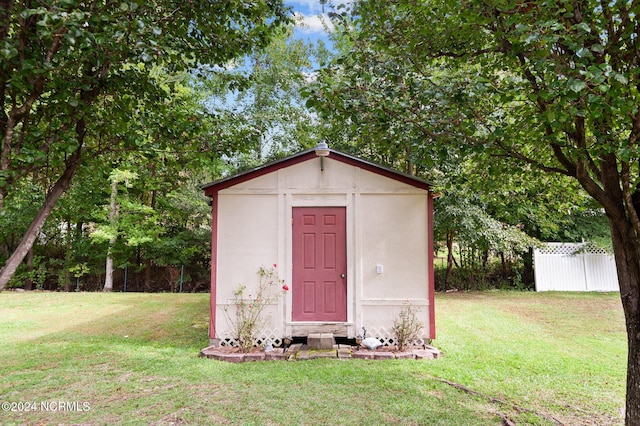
213, 187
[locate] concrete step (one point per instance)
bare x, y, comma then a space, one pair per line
320, 341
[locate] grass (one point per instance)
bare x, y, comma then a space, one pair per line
132, 358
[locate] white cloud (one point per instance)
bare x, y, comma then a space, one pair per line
310, 77
313, 16
313, 23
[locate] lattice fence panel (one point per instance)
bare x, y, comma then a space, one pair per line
385, 336
274, 335
571, 249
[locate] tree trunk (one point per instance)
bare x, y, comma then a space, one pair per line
408, 160
113, 212
76, 238
59, 188
450, 260
627, 257
4, 245
147, 274
528, 274
67, 257
503, 266
108, 278
67, 280
28, 283
632, 414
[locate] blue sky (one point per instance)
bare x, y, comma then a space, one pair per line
310, 14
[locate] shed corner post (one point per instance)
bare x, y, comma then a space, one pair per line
214, 264
430, 266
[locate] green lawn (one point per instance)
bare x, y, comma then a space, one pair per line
133, 359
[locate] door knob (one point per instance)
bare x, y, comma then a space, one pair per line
342, 275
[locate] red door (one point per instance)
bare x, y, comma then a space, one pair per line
319, 287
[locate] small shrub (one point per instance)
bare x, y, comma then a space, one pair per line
406, 327
248, 319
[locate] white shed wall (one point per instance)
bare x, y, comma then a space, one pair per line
245, 222
399, 249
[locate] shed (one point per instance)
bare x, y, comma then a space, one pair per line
352, 240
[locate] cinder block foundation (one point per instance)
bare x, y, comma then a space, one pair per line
320, 341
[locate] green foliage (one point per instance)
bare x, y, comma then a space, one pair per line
36, 274
109, 53
128, 218
413, 87
547, 84
87, 86
163, 217
20, 206
79, 270
475, 229
473, 275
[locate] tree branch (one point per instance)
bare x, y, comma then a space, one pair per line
606, 194
39, 80
6, 7
511, 153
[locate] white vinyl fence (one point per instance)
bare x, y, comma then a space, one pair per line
574, 267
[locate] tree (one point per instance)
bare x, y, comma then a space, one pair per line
381, 108
461, 219
116, 177
161, 215
63, 63
260, 100
554, 85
